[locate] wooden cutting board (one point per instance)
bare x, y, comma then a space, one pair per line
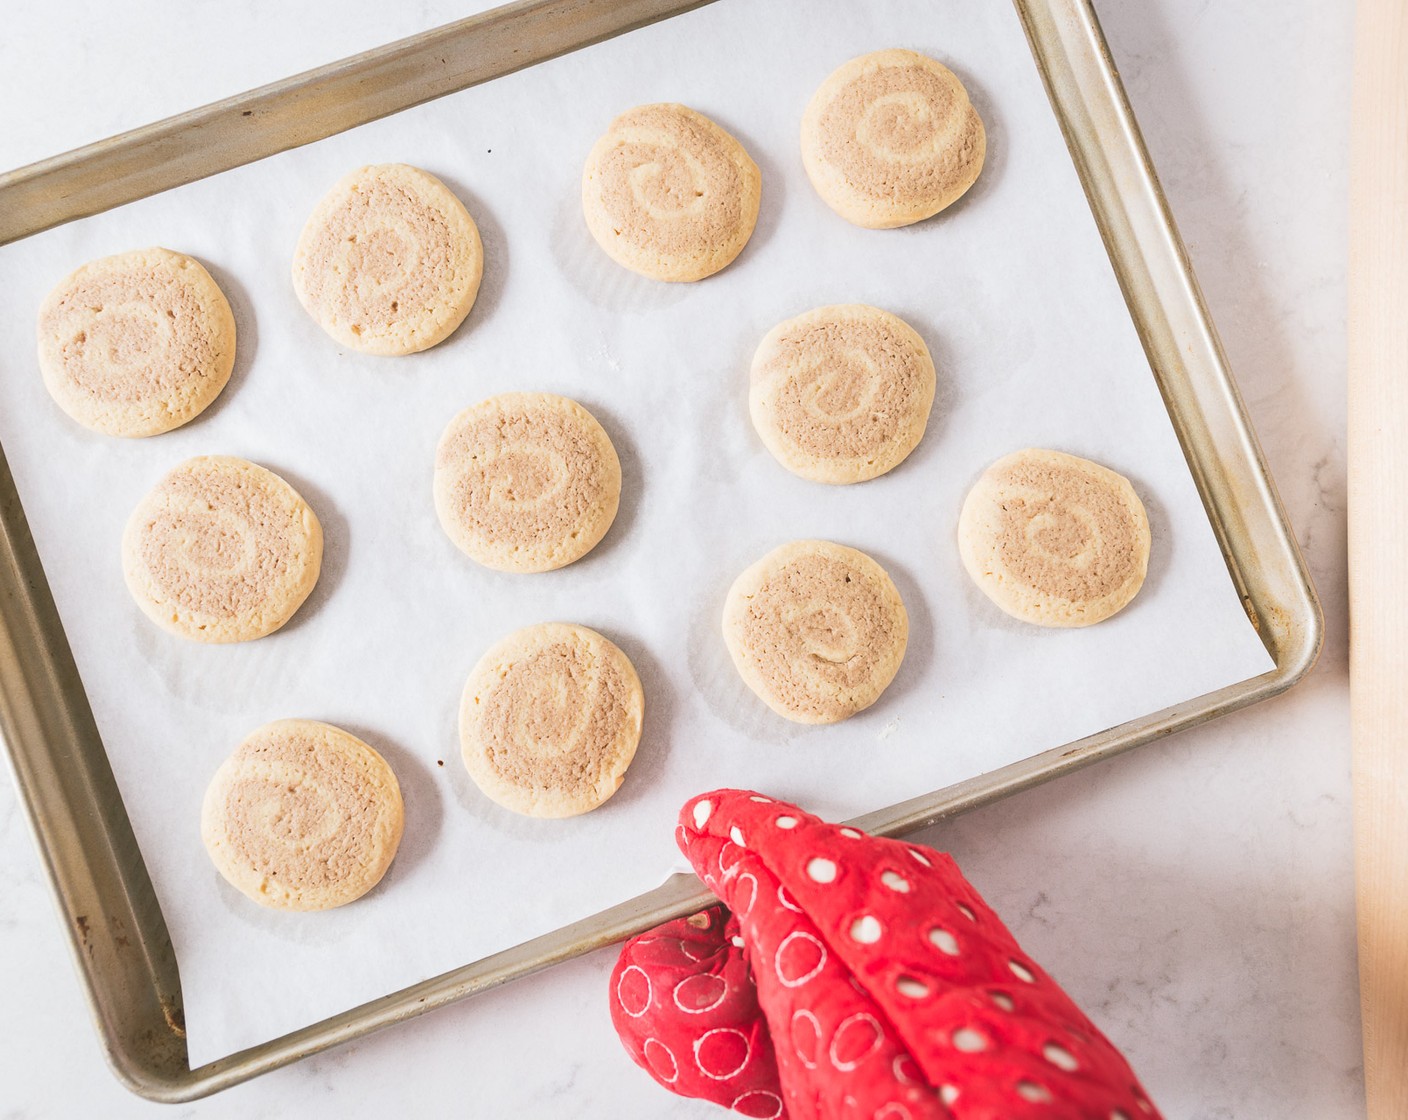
1378, 540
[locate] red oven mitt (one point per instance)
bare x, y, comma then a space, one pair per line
857, 978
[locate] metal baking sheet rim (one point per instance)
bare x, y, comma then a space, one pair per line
105, 898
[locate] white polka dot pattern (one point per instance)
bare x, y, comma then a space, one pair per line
729, 855
635, 1003
821, 870
892, 989
905, 1071
848, 1041
806, 1036
1031, 1091
857, 1038
694, 995
758, 1103
721, 1053
895, 881
1059, 1056
799, 958
866, 930
661, 1061
684, 1003
1021, 972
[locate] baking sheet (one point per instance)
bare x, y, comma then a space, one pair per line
1010, 288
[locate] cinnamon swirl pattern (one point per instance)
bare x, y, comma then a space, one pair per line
1054, 539
221, 550
136, 344
841, 394
303, 816
891, 138
390, 261
550, 720
817, 630
526, 482
669, 194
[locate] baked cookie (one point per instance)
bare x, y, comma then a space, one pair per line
221, 550
891, 138
841, 394
136, 344
550, 719
1054, 539
390, 261
303, 816
526, 482
669, 194
817, 630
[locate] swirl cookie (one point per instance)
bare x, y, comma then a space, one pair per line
817, 630
841, 394
136, 344
526, 482
891, 138
669, 194
390, 261
1054, 539
303, 816
550, 719
221, 550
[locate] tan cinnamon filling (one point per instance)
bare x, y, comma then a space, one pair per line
819, 630
900, 132
669, 183
131, 337
844, 389
301, 813
218, 542
553, 721
523, 475
385, 255
1065, 533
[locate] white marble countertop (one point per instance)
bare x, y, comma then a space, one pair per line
1195, 897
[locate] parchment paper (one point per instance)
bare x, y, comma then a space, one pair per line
1010, 288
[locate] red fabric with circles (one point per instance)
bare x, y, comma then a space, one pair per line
684, 1004
890, 989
